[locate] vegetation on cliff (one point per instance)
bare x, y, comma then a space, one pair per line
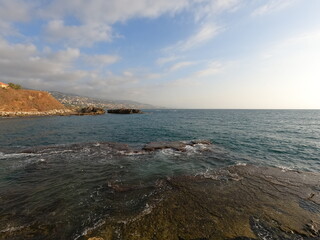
14, 86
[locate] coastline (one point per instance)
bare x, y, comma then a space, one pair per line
54, 112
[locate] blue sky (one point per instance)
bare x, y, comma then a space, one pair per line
179, 54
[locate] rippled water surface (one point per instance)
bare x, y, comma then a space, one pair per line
58, 174
279, 137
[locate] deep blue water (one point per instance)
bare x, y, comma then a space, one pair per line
46, 180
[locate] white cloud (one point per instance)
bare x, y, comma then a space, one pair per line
15, 10
272, 6
23, 61
26, 65
300, 43
101, 59
12, 11
180, 65
7, 29
112, 11
212, 69
211, 8
203, 35
79, 35
164, 60
96, 18
68, 55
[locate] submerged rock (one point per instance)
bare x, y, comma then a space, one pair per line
90, 111
239, 202
175, 145
124, 111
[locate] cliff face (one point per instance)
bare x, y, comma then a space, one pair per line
29, 102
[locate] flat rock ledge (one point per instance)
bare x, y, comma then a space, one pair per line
234, 203
125, 111
59, 112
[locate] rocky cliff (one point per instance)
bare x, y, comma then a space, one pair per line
29, 102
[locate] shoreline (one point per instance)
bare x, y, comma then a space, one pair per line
54, 112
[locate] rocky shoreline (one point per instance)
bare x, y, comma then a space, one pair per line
55, 112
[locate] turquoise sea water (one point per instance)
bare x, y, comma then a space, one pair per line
58, 173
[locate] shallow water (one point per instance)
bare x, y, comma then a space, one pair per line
58, 176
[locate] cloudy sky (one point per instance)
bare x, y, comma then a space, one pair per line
180, 54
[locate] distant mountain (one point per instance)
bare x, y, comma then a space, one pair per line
72, 100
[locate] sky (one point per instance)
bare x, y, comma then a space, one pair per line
246, 54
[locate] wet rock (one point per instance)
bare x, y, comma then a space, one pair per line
263, 204
124, 111
313, 228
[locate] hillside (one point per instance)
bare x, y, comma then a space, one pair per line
29, 102
71, 100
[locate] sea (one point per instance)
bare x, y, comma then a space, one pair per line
59, 173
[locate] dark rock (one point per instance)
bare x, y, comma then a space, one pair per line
125, 111
90, 111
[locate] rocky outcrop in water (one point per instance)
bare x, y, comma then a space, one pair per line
124, 111
90, 111
175, 145
239, 202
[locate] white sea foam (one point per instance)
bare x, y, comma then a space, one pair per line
170, 152
12, 229
241, 164
15, 155
132, 153
85, 231
285, 168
